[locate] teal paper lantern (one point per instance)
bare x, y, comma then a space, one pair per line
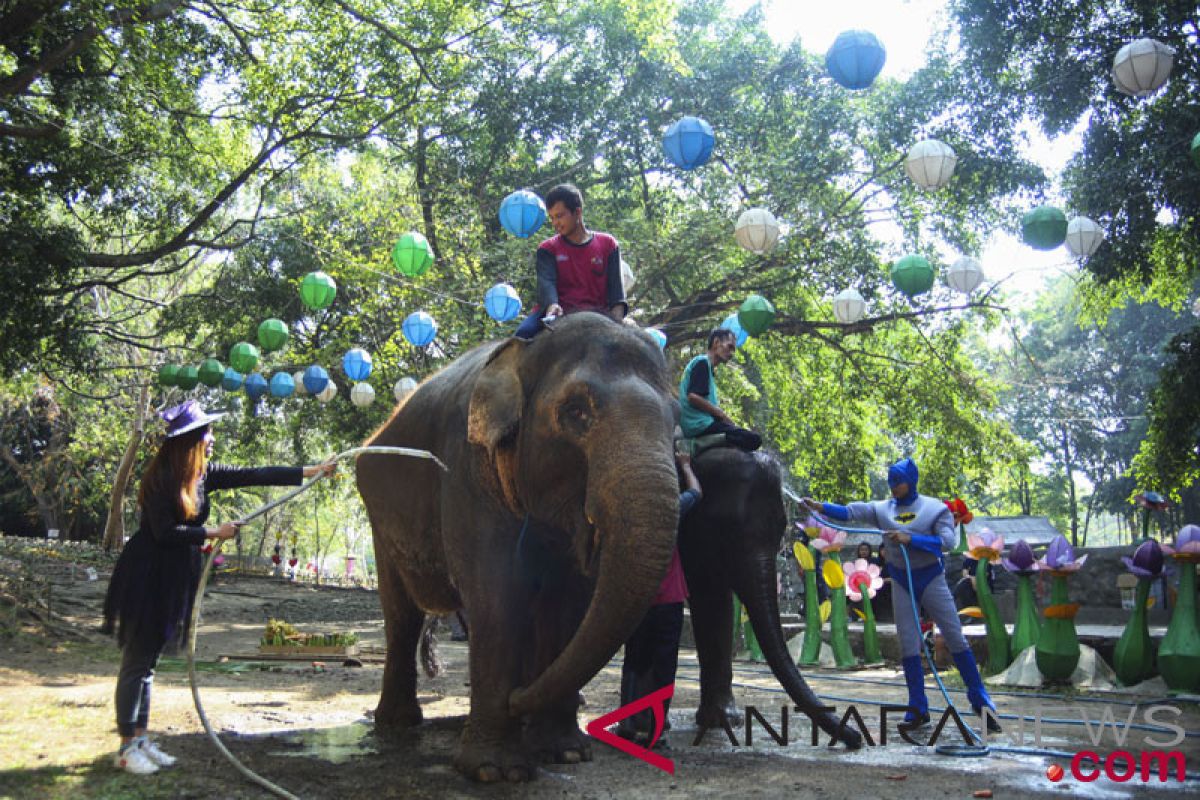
502, 302
412, 255
739, 333
232, 380
1044, 228
357, 364
211, 372
272, 335
167, 374
419, 328
522, 213
243, 357
756, 315
187, 378
282, 385
256, 385
659, 337
315, 379
855, 59
1196, 149
688, 143
912, 275
317, 290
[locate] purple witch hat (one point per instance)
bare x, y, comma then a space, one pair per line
186, 417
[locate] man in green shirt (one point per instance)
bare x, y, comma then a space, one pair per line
698, 395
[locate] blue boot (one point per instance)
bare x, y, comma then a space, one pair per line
914, 678
977, 695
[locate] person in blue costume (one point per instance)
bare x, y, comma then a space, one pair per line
925, 526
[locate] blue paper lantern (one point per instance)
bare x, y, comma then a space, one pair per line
659, 337
419, 328
231, 381
502, 302
855, 59
357, 364
689, 142
256, 385
522, 213
315, 379
731, 323
282, 385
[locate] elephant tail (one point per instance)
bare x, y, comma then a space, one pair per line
430, 661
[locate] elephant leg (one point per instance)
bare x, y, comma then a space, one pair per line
712, 628
402, 619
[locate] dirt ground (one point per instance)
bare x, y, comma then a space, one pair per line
307, 727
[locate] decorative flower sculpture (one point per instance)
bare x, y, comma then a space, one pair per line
830, 543
1133, 657
1150, 502
962, 515
986, 547
1058, 646
863, 580
828, 540
1028, 627
810, 648
1179, 652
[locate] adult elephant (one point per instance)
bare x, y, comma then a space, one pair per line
552, 529
728, 543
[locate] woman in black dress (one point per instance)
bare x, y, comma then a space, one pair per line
150, 596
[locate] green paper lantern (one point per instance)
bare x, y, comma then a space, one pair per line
187, 378
243, 357
756, 315
317, 290
412, 255
1044, 228
272, 335
167, 375
912, 275
211, 373
1196, 149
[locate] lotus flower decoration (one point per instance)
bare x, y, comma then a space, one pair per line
1187, 544
862, 575
829, 540
1147, 560
1060, 557
962, 514
985, 546
1152, 501
1020, 559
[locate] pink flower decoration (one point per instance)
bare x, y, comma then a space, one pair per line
1186, 541
985, 545
860, 575
829, 540
1060, 556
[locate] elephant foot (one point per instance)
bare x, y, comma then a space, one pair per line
398, 715
490, 762
557, 742
717, 714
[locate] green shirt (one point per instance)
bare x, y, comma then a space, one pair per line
692, 420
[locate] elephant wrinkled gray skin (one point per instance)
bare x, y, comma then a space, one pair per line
552, 529
728, 544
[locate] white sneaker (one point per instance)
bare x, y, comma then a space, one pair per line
155, 754
132, 758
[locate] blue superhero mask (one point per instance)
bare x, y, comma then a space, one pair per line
904, 471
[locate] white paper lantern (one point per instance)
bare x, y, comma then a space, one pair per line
1083, 236
1196, 307
930, 164
403, 388
965, 275
757, 230
362, 395
298, 378
628, 279
328, 393
1142, 67
849, 306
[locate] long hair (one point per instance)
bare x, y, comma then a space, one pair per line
175, 471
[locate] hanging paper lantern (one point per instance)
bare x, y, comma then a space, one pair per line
521, 214
419, 328
756, 314
1044, 228
298, 382
912, 275
328, 393
849, 306
315, 379
282, 385
855, 59
757, 230
1196, 149
404, 387
256, 385
243, 357
231, 381
210, 373
1084, 236
362, 395
412, 254
930, 164
187, 378
317, 290
731, 323
689, 142
502, 302
965, 275
1140, 68
167, 374
272, 335
356, 364
659, 337
1196, 307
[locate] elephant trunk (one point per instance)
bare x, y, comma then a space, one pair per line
634, 525
762, 605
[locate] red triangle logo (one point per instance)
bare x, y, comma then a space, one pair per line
598, 728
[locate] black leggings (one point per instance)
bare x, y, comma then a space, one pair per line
651, 656
133, 685
738, 437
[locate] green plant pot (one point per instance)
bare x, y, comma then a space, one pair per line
1133, 657
1058, 647
1179, 652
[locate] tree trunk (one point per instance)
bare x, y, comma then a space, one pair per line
114, 527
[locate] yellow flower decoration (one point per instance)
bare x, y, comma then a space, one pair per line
803, 556
826, 609
834, 577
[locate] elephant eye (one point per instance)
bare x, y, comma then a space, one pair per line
575, 417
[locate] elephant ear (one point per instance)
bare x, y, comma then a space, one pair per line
494, 416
